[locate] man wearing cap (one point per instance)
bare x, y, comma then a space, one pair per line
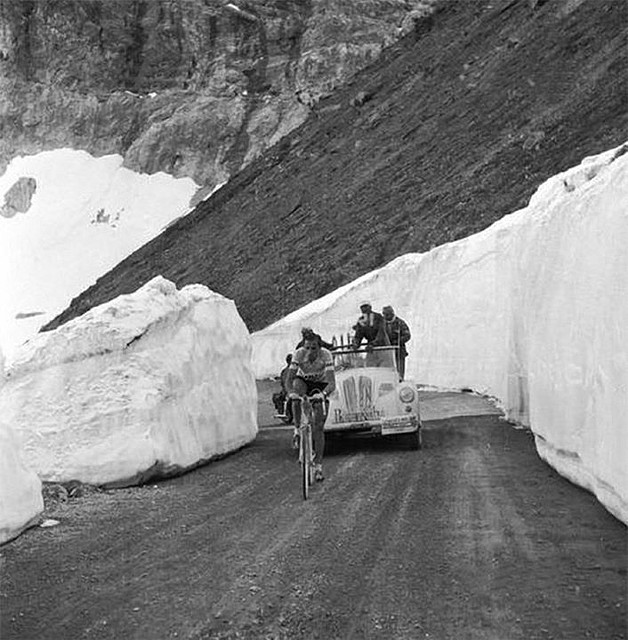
398, 333
370, 327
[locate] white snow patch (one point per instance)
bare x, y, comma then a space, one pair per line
21, 500
149, 384
532, 310
87, 214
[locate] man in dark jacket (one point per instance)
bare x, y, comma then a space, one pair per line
370, 327
398, 333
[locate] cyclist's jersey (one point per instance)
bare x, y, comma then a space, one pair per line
312, 371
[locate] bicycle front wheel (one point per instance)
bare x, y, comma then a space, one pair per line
306, 463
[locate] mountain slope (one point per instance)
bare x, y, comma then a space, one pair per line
449, 130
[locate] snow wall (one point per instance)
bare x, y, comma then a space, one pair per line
149, 384
21, 500
532, 310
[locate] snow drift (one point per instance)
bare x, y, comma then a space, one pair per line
533, 310
66, 218
21, 501
149, 384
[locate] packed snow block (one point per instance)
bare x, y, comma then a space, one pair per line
21, 501
150, 384
532, 311
572, 312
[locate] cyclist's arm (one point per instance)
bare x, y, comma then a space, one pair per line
290, 374
358, 336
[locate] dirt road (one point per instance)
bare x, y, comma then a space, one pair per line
473, 537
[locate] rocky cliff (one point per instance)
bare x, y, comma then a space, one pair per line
192, 87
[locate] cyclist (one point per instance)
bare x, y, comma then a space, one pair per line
311, 374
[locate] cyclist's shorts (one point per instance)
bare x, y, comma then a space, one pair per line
312, 385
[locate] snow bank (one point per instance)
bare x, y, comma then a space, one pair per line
67, 218
147, 385
533, 310
21, 500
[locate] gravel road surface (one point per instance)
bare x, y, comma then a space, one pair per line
473, 537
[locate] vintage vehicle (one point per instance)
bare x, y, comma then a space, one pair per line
369, 397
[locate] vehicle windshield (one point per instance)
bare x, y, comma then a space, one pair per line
380, 357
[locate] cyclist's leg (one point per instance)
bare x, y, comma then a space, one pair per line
296, 412
318, 433
300, 387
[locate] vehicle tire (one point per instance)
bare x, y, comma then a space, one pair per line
416, 440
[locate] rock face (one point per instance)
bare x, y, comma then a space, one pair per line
195, 88
18, 198
148, 385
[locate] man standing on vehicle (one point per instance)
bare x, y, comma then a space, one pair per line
398, 333
311, 374
370, 327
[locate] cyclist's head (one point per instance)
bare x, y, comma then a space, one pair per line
365, 307
289, 358
312, 344
308, 334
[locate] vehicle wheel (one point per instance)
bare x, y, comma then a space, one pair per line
416, 440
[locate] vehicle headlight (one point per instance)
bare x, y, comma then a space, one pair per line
406, 394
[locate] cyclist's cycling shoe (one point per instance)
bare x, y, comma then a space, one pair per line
295, 440
318, 473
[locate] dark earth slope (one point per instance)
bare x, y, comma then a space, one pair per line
452, 128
